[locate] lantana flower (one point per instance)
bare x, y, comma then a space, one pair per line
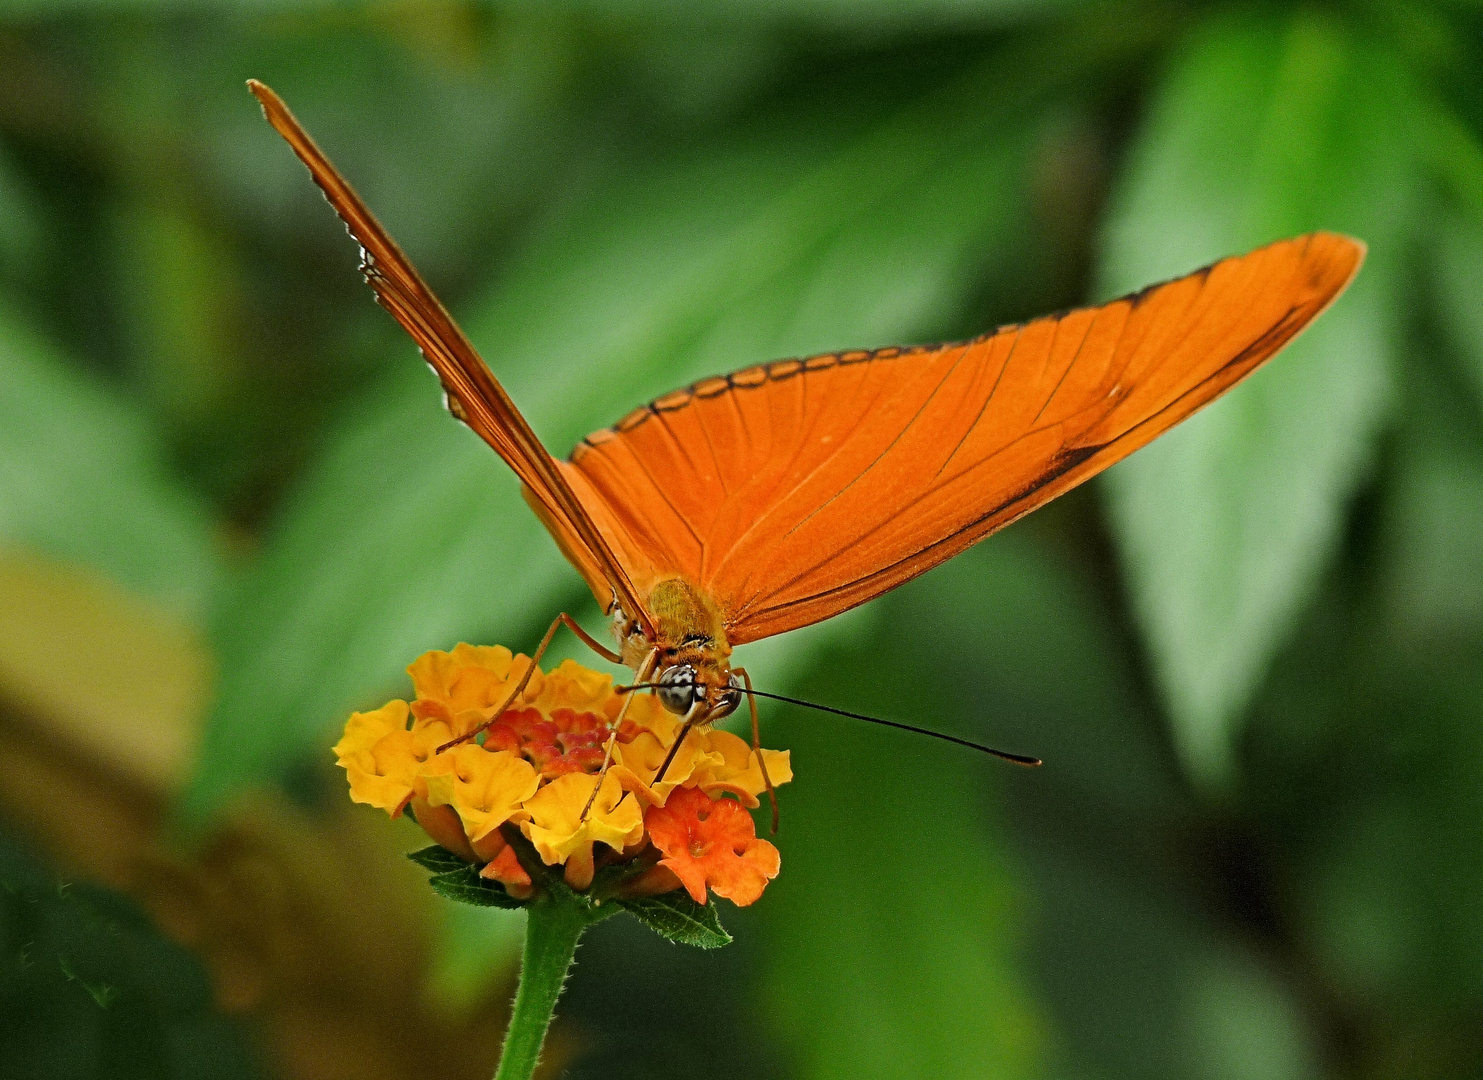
531, 778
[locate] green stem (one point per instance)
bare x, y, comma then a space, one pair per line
551, 932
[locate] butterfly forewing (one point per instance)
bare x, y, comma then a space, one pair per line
474, 395
792, 492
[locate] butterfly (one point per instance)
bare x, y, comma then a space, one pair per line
753, 503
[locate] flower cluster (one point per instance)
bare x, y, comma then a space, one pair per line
536, 767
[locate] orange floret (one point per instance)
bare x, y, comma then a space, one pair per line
712, 843
506, 869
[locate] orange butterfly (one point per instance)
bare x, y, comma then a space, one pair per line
777, 496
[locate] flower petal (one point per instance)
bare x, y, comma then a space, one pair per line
506, 869
572, 686
738, 771
378, 755
469, 679
443, 826
635, 764
555, 826
712, 843
485, 788
536, 766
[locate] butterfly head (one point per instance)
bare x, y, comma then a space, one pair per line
715, 688
691, 654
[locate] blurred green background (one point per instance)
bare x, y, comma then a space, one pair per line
231, 510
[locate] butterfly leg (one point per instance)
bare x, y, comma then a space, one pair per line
571, 623
691, 719
645, 671
772, 795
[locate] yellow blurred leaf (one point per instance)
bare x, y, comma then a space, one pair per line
100, 668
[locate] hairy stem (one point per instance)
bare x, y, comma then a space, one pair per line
551, 932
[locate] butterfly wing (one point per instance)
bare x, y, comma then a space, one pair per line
474, 395
794, 491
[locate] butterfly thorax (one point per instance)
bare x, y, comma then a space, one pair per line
688, 630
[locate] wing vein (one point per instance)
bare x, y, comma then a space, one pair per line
891, 446
1013, 345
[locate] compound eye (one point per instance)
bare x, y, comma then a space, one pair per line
677, 689
730, 699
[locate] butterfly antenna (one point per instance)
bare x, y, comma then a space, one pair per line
1004, 755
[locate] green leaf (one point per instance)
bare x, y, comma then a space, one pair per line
83, 478
438, 859
20, 223
18, 8
680, 919
474, 948
82, 968
181, 276
1015, 643
409, 534
912, 15
1043, 676
1432, 512
1384, 808
467, 887
1037, 666
1262, 130
1455, 156
1459, 287
892, 932
823, 14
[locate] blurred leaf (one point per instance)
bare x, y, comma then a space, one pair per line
1383, 833
1437, 517
1243, 1023
1135, 977
1366, 748
680, 919
1141, 979
22, 8
177, 290
1459, 285
88, 988
409, 535
1041, 669
475, 948
20, 224
820, 13
1455, 156
1433, 511
136, 704
1035, 667
82, 478
912, 17
893, 927
411, 99
1260, 131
